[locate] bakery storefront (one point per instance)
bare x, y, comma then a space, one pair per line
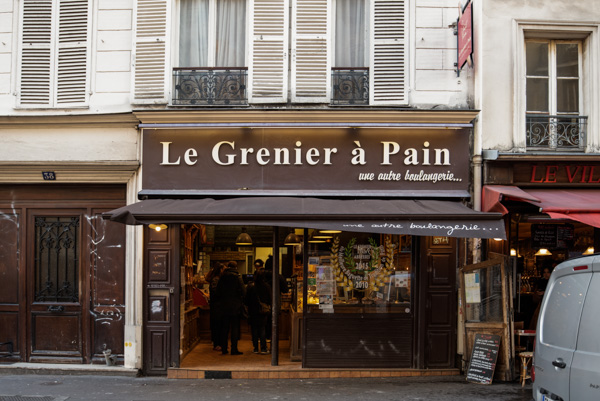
552, 210
365, 225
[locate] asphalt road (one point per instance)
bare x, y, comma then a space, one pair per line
30, 387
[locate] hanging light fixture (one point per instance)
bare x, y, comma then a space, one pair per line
157, 227
292, 239
543, 252
244, 238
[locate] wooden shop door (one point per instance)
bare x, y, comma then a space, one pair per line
56, 270
437, 302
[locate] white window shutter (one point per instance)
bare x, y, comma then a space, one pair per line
36, 54
268, 56
311, 61
150, 65
388, 74
73, 51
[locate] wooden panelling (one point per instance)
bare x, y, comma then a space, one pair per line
75, 332
159, 343
439, 346
9, 258
359, 341
108, 262
56, 333
9, 332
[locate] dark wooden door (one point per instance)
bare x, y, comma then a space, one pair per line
161, 306
438, 302
55, 306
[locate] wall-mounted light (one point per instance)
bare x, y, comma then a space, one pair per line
244, 238
513, 252
588, 251
543, 252
158, 227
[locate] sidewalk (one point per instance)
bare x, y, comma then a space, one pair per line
61, 387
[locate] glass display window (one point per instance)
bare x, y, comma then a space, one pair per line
359, 273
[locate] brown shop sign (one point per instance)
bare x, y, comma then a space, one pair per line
280, 161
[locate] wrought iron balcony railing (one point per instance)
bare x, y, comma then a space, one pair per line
210, 86
557, 133
350, 86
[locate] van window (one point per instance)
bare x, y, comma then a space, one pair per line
560, 319
589, 330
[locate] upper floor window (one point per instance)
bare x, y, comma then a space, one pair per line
553, 95
212, 33
212, 53
54, 53
350, 74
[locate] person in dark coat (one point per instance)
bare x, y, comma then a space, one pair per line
257, 293
230, 291
212, 277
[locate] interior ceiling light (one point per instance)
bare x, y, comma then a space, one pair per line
543, 252
244, 238
292, 239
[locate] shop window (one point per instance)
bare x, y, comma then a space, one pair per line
359, 273
553, 95
212, 53
483, 294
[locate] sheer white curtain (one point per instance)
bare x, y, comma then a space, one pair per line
350, 43
231, 33
193, 33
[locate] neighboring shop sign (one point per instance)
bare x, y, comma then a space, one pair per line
319, 160
552, 235
572, 174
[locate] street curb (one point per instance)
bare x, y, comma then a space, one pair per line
21, 368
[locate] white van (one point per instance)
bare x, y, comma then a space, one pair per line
566, 364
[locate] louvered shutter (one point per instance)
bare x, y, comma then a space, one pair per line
71, 68
36, 53
311, 64
268, 58
150, 66
388, 77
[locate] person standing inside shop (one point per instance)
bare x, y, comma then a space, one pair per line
230, 291
258, 299
212, 277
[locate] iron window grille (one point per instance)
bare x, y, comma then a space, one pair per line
57, 259
210, 86
556, 132
350, 86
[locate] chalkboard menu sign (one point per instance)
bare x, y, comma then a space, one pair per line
552, 235
483, 358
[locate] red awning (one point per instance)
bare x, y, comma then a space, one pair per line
581, 205
493, 195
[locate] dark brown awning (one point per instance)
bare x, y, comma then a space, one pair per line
416, 217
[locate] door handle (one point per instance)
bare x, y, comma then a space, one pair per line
56, 308
559, 363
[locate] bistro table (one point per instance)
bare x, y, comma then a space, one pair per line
525, 356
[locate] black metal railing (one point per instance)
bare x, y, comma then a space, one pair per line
210, 86
350, 86
545, 132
